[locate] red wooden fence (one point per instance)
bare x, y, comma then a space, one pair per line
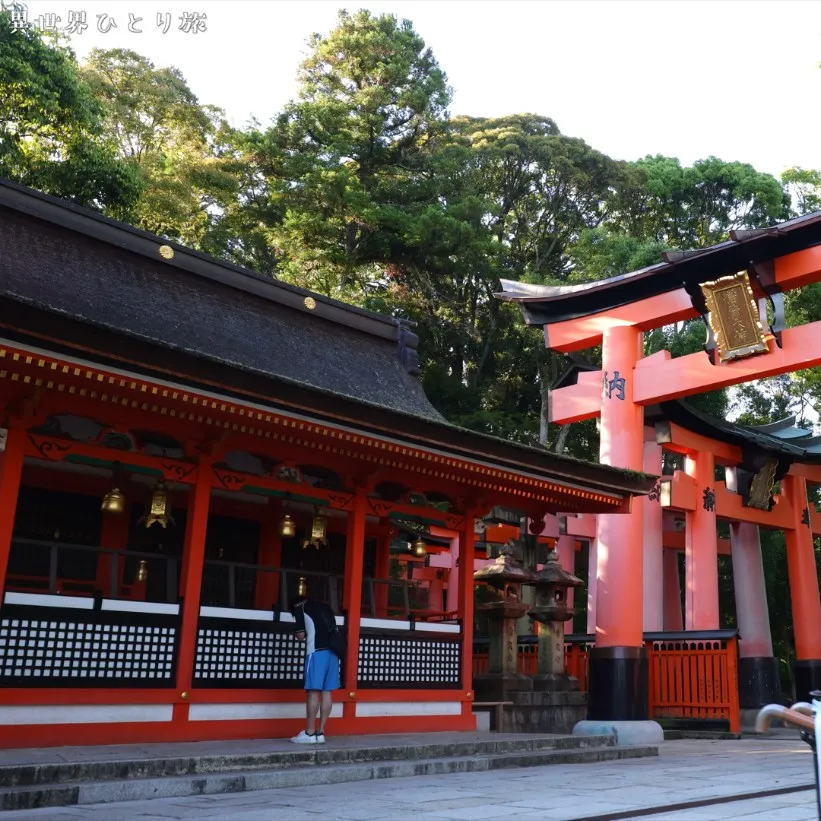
695, 679
688, 679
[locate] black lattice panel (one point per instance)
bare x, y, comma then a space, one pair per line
405, 660
233, 654
43, 647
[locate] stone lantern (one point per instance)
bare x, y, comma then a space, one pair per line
551, 612
507, 576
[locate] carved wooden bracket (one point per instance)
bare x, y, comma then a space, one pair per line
762, 274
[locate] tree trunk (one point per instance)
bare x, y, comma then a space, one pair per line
561, 439
543, 423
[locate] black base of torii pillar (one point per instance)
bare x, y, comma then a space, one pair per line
617, 684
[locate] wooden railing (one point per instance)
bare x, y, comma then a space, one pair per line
694, 676
82, 570
691, 675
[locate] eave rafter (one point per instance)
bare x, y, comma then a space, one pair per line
188, 408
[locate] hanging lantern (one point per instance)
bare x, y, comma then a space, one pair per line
113, 501
287, 527
142, 570
319, 529
159, 510
302, 586
419, 548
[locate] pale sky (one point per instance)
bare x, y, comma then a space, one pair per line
736, 79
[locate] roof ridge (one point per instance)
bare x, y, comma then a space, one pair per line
92, 223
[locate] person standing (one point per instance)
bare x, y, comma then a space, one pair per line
316, 626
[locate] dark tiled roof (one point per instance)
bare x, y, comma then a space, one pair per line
547, 304
782, 438
112, 276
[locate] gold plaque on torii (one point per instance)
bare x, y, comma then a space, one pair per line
734, 318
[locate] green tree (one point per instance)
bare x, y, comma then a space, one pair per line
804, 189
52, 134
691, 207
371, 98
168, 138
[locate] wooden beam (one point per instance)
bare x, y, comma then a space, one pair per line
646, 314
791, 271
680, 440
798, 269
682, 489
674, 540
576, 402
812, 473
660, 378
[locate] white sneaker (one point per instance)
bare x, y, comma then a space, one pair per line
319, 738
304, 738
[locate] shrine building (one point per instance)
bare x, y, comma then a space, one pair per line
186, 446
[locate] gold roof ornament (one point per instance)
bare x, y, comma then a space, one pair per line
733, 317
166, 252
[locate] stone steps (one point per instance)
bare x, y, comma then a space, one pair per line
58, 785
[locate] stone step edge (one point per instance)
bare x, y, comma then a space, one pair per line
106, 792
54, 774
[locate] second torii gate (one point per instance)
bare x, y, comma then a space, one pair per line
728, 285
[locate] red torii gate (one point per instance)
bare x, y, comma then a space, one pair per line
721, 284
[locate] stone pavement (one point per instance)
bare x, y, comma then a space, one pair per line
685, 772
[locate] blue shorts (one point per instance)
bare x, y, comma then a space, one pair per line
322, 671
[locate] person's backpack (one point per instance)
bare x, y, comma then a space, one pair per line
338, 645
336, 641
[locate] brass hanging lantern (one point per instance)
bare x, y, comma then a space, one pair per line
113, 501
142, 570
302, 586
319, 532
159, 510
287, 527
319, 528
419, 548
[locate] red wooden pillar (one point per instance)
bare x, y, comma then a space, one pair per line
806, 608
193, 559
673, 622
467, 539
383, 571
701, 548
270, 555
653, 543
354, 559
113, 536
618, 663
11, 471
